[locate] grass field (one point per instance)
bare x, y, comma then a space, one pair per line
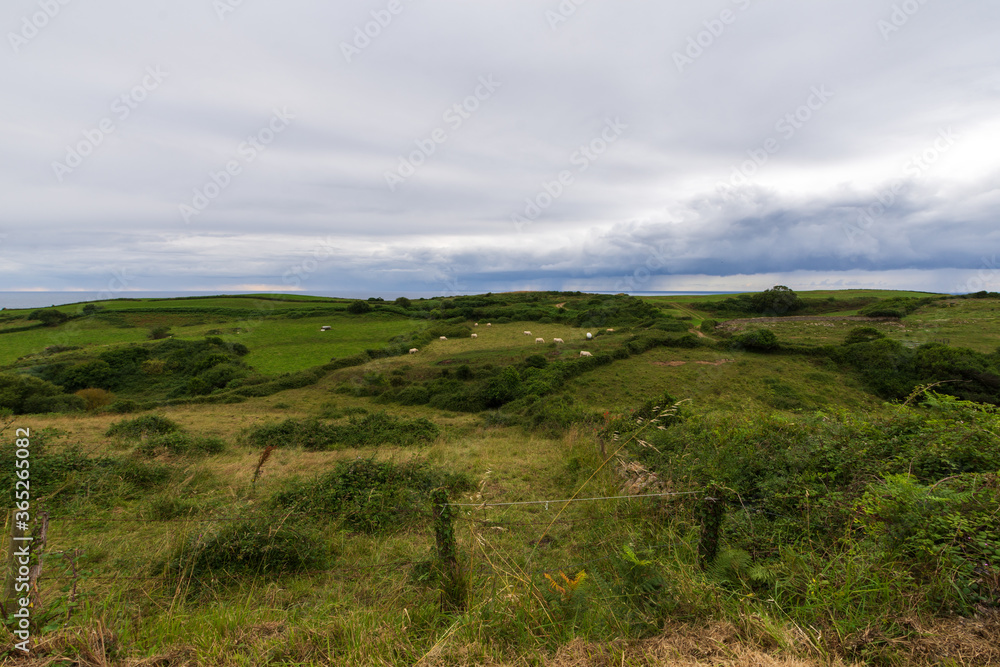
795, 448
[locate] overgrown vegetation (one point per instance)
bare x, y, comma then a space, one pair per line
856, 534
371, 430
371, 496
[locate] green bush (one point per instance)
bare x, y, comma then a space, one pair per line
142, 427
862, 335
371, 496
368, 431
252, 547
358, 307
502, 388
24, 394
180, 444
757, 340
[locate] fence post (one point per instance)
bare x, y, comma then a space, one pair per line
38, 546
710, 512
453, 584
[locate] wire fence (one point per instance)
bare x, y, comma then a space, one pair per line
50, 549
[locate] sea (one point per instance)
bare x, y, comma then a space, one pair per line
37, 299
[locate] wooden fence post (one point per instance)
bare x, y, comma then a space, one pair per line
453, 584
710, 511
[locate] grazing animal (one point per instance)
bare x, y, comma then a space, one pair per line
326, 328
558, 340
413, 350
489, 324
589, 335
539, 340
476, 324
584, 353
444, 338
475, 335
527, 333
610, 329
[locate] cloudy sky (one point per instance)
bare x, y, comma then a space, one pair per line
461, 147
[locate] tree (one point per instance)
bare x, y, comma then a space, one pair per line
49, 317
402, 302
778, 300
359, 307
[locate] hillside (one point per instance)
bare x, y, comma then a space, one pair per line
227, 483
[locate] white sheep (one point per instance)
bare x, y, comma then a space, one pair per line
413, 350
584, 353
527, 333
589, 335
489, 324
476, 324
558, 340
610, 329
444, 338
475, 335
539, 340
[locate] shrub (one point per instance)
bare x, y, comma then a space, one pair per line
253, 546
142, 427
180, 444
371, 496
24, 394
154, 366
502, 388
97, 373
758, 340
358, 307
370, 430
159, 333
49, 317
402, 302
95, 398
124, 406
536, 361
862, 335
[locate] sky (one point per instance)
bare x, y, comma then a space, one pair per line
464, 147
